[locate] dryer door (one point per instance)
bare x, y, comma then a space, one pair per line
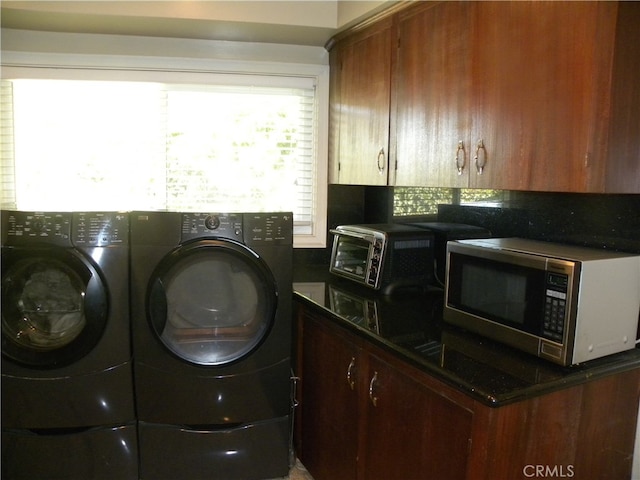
54, 306
212, 302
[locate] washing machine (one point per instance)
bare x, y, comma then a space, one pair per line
68, 407
211, 320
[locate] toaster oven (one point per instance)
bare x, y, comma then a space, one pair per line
383, 257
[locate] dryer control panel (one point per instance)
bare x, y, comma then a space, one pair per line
209, 225
269, 228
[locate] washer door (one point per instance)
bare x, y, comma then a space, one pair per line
54, 306
212, 302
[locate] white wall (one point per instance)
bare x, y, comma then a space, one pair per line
26, 42
317, 13
351, 11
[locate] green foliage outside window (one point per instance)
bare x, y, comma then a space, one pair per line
408, 201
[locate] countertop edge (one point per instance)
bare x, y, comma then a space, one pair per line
627, 361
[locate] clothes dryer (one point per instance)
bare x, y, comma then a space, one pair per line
211, 313
67, 382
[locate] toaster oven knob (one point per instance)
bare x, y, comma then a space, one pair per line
373, 272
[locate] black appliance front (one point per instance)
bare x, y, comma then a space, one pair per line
211, 313
67, 384
444, 232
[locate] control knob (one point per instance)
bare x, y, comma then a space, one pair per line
212, 222
38, 225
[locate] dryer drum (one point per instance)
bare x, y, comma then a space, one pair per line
213, 305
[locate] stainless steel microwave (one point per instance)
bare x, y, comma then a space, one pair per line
383, 257
562, 303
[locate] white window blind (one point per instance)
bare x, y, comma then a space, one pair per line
238, 147
7, 163
118, 145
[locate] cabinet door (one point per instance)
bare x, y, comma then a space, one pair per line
364, 69
412, 431
537, 103
433, 92
623, 162
329, 410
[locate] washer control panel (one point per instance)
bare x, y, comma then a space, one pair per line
28, 228
65, 229
100, 229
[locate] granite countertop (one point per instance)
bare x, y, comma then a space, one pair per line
410, 326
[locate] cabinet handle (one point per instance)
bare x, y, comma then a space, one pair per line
350, 380
380, 164
480, 164
372, 397
460, 161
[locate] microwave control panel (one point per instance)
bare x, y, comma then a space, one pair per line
555, 307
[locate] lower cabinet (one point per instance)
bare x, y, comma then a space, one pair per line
329, 404
364, 419
410, 430
365, 414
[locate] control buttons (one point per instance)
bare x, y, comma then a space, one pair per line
99, 229
212, 222
27, 227
554, 315
374, 263
211, 225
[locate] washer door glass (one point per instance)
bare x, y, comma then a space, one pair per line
212, 302
54, 306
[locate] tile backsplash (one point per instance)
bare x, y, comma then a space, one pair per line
593, 220
599, 221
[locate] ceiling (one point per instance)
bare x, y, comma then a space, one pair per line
304, 22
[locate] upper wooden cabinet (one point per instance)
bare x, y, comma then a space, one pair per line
361, 71
433, 94
515, 95
541, 83
622, 169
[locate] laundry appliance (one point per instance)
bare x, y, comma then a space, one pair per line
67, 384
211, 319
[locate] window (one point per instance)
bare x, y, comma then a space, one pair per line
424, 201
222, 143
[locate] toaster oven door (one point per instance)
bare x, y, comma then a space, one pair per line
350, 257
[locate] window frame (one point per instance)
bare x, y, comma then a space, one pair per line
183, 70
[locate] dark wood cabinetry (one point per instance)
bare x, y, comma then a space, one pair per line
330, 429
365, 413
433, 95
363, 418
412, 430
541, 82
508, 95
361, 69
622, 169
